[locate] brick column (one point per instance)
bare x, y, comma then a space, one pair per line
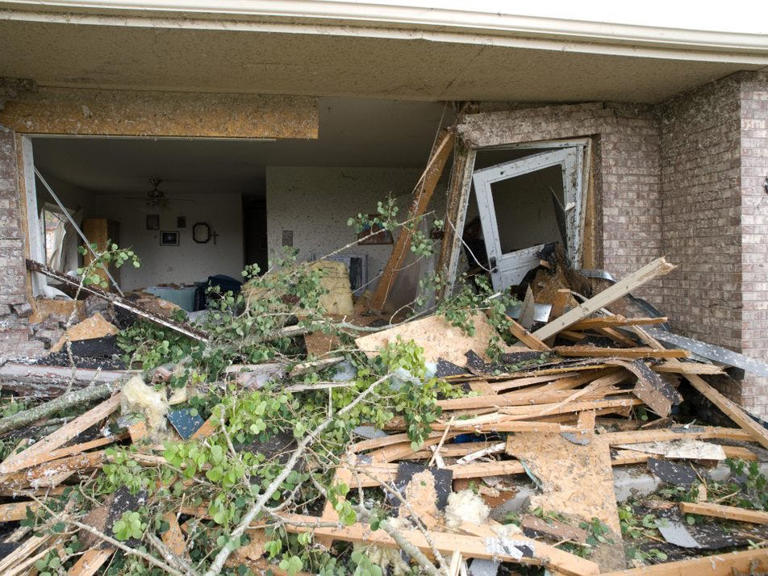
14, 327
754, 235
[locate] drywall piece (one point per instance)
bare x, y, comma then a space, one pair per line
148, 113
576, 480
686, 449
436, 336
676, 533
93, 327
658, 267
633, 483
480, 567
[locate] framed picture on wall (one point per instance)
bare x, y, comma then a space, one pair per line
374, 234
169, 238
153, 221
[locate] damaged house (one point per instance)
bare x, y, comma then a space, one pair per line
557, 159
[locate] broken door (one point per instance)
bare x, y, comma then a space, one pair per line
525, 204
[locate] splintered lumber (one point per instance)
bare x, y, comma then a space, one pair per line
657, 268
38, 452
726, 512
49, 381
525, 412
422, 195
597, 352
17, 510
90, 562
615, 320
687, 368
526, 337
173, 538
484, 547
436, 336
747, 562
123, 303
730, 409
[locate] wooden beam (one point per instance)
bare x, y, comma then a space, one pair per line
726, 512
658, 267
597, 352
90, 562
730, 409
422, 196
526, 337
53, 110
639, 436
615, 320
469, 546
713, 565
15, 511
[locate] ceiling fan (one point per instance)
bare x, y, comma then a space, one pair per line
156, 198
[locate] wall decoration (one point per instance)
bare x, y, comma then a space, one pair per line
374, 234
201, 232
153, 221
169, 238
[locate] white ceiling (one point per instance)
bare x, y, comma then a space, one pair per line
352, 133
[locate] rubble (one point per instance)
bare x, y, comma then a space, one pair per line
437, 444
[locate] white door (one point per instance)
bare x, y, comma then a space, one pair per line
527, 203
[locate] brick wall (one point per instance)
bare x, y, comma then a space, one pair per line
754, 234
627, 186
700, 183
14, 308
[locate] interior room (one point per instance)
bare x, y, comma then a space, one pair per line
197, 208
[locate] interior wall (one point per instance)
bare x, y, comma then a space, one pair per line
315, 204
189, 261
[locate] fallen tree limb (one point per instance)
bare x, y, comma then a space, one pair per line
258, 506
49, 381
57, 405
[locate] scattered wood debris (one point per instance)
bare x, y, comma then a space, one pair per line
416, 443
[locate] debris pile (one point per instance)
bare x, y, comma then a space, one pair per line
474, 440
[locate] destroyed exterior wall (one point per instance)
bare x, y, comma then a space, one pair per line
754, 234
626, 188
14, 308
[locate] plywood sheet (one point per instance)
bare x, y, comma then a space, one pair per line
437, 337
576, 480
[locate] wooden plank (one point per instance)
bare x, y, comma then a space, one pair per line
207, 429
639, 436
654, 269
615, 320
343, 475
726, 512
90, 562
83, 447
14, 511
586, 420
713, 565
526, 337
38, 452
597, 352
687, 368
505, 385
422, 195
730, 409
469, 546
482, 387
525, 412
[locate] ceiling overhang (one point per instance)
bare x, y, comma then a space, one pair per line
359, 50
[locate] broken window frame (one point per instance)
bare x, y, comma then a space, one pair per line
508, 268
459, 193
